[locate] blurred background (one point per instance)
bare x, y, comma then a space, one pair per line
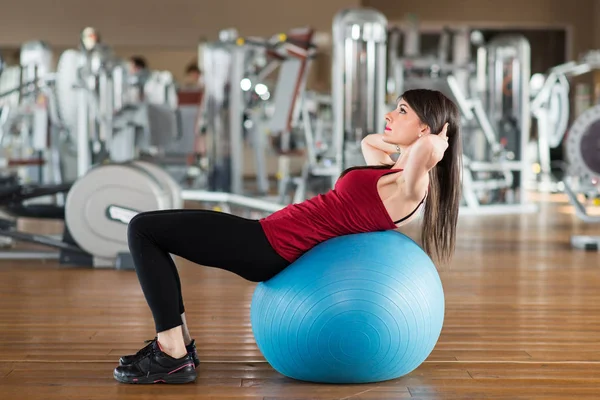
270, 99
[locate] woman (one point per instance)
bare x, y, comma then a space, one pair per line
424, 129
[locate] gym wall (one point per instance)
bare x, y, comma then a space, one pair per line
158, 23
596, 23
166, 32
579, 15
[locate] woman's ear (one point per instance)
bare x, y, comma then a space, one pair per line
424, 129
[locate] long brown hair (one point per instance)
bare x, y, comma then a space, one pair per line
438, 233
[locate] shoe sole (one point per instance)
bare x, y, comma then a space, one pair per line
181, 378
122, 364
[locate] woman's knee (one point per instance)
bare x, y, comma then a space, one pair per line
139, 225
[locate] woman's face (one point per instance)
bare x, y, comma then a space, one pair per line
403, 126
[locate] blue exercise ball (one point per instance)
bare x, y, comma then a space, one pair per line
359, 308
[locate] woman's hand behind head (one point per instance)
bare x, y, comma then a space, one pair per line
439, 143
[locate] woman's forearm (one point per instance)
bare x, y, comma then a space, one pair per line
376, 151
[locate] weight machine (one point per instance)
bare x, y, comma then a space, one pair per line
223, 110
550, 107
495, 125
359, 81
240, 107
497, 169
357, 100
582, 180
357, 105
111, 114
29, 124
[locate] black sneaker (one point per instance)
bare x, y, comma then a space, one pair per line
191, 349
154, 366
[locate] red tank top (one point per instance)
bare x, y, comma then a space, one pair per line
352, 206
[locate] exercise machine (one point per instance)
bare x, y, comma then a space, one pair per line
240, 106
356, 106
496, 172
119, 114
109, 111
582, 179
358, 82
97, 210
29, 125
550, 107
109, 126
495, 121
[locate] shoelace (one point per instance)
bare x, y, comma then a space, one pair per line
146, 349
150, 353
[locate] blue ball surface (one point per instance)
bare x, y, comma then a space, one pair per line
355, 309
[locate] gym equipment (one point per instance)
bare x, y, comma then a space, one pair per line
99, 207
357, 103
112, 114
414, 68
29, 125
493, 185
495, 127
582, 178
358, 81
14, 195
224, 201
507, 101
102, 113
551, 109
92, 109
355, 309
499, 182
236, 107
97, 211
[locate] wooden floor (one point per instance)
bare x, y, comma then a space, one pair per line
522, 322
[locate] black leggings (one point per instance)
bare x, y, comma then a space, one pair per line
204, 237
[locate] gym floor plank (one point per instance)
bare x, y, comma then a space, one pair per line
522, 322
